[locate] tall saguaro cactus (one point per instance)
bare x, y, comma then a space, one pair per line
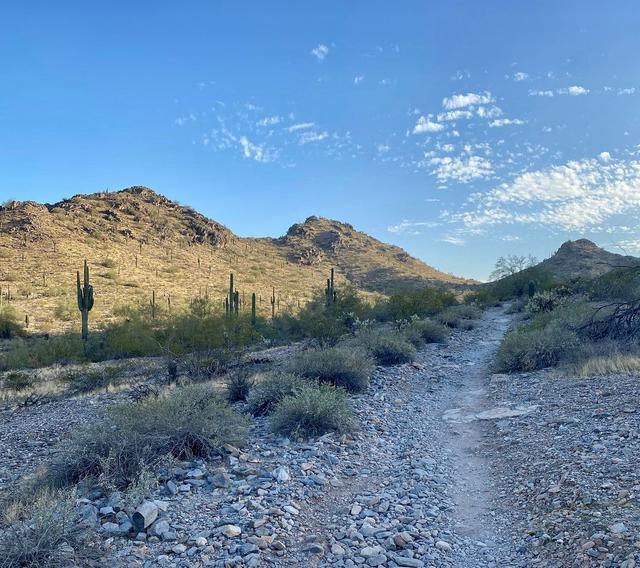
330, 291
253, 309
85, 299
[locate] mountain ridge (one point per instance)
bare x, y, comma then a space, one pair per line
138, 241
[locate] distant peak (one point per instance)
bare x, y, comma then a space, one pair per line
580, 244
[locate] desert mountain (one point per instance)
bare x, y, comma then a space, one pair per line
583, 258
138, 242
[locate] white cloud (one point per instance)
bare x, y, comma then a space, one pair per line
578, 195
490, 112
269, 121
308, 136
462, 169
301, 126
411, 227
425, 124
453, 240
573, 90
604, 156
505, 122
255, 151
454, 115
628, 91
358, 79
541, 93
465, 100
519, 76
320, 52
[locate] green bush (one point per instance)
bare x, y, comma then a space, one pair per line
429, 331
528, 349
66, 311
184, 423
342, 367
269, 391
387, 347
88, 380
546, 301
42, 352
421, 303
460, 316
9, 326
314, 411
44, 533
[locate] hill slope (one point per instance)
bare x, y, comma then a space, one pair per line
583, 258
137, 242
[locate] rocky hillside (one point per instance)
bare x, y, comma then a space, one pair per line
583, 258
137, 242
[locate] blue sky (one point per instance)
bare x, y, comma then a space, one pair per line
459, 130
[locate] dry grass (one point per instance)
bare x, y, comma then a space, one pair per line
615, 363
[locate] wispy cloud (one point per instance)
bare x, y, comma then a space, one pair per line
269, 121
627, 91
320, 52
464, 100
358, 79
301, 126
541, 94
309, 136
425, 124
573, 90
505, 122
412, 227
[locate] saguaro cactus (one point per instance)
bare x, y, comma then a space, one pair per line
253, 309
85, 299
532, 288
273, 303
330, 291
153, 304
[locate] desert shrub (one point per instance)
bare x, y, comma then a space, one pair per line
595, 362
9, 326
546, 301
517, 306
528, 349
238, 386
429, 331
44, 533
314, 411
184, 423
421, 303
326, 323
66, 311
514, 286
342, 367
620, 284
386, 347
89, 380
460, 316
108, 263
17, 381
269, 391
42, 352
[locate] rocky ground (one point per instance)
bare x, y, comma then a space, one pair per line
451, 467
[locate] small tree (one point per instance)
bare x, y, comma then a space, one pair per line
512, 264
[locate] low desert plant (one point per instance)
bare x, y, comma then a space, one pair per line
529, 348
314, 411
238, 386
88, 380
459, 316
9, 326
269, 390
183, 423
429, 331
44, 533
342, 367
387, 347
17, 381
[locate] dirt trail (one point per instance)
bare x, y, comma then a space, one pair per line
424, 494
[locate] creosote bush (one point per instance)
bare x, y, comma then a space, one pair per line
9, 326
17, 381
238, 386
339, 366
386, 347
270, 389
313, 411
183, 423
